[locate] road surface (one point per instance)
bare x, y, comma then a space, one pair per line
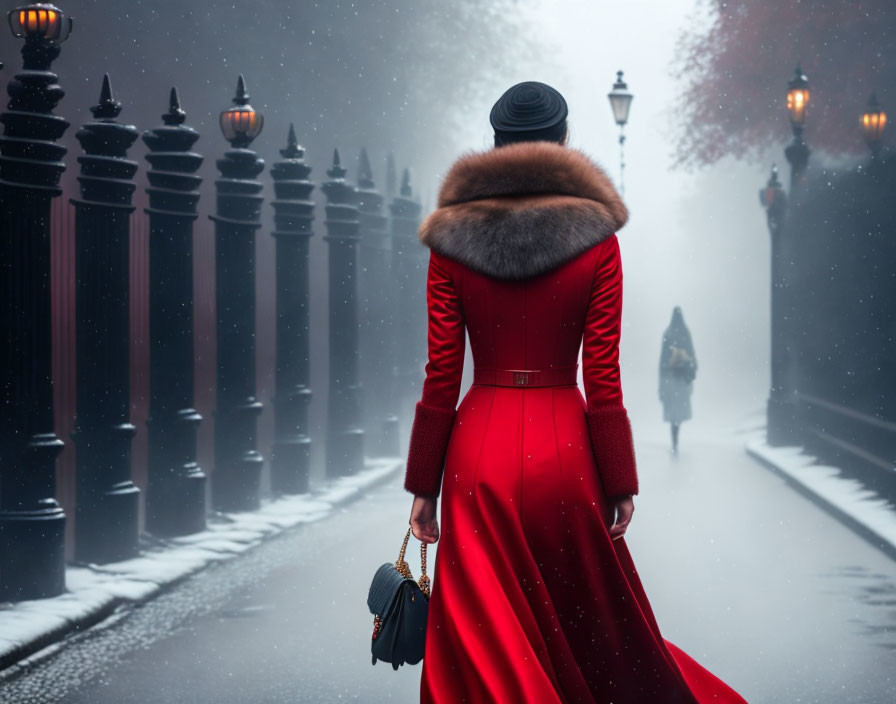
749, 577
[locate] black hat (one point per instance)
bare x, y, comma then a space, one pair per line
529, 107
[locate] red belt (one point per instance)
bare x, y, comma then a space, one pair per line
564, 376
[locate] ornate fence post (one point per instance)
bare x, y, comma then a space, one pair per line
175, 496
237, 475
381, 427
391, 423
391, 177
409, 264
345, 437
32, 523
107, 499
293, 214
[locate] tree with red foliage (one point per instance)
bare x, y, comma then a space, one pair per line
737, 66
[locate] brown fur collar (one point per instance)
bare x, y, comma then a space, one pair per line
522, 209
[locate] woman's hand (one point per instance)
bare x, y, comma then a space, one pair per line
623, 508
423, 521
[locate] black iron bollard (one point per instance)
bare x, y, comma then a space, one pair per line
237, 475
32, 523
175, 496
107, 499
409, 265
345, 437
391, 177
391, 423
293, 214
381, 426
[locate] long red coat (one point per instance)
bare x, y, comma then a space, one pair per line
532, 601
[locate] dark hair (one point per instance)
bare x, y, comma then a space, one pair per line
557, 133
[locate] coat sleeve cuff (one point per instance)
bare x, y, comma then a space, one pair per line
427, 447
614, 450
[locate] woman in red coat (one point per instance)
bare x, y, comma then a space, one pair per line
535, 596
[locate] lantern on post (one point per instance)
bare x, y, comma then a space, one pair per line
797, 100
241, 124
798, 151
236, 481
32, 523
620, 102
43, 27
873, 122
40, 22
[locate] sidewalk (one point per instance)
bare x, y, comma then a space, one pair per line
97, 591
848, 500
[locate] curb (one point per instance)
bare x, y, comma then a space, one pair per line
34, 629
848, 500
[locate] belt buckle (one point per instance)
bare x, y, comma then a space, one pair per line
521, 378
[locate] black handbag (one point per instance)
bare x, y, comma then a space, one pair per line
399, 606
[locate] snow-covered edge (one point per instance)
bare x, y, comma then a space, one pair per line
96, 591
873, 517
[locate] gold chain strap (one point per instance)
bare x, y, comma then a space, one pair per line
402, 566
424, 579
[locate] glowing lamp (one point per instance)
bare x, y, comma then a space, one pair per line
40, 22
798, 97
873, 122
242, 123
620, 100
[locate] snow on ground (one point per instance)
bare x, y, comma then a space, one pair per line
848, 498
95, 591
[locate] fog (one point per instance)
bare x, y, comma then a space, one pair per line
416, 79
698, 240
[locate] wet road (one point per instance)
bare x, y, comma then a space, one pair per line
750, 578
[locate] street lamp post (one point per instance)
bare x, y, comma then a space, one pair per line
32, 523
798, 151
293, 216
783, 402
237, 474
175, 492
873, 123
620, 102
345, 436
107, 499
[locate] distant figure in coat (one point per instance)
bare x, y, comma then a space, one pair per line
678, 367
535, 597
